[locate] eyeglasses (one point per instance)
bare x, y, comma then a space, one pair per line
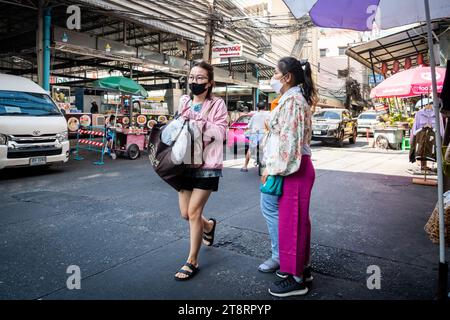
197, 78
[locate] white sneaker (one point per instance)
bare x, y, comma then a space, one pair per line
269, 266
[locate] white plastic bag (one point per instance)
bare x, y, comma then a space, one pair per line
180, 146
181, 150
170, 132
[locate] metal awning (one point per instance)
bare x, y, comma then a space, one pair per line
153, 39
168, 16
405, 44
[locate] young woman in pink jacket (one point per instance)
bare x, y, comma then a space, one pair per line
209, 114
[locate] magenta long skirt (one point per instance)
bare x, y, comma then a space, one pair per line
294, 224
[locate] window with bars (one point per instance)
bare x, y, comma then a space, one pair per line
342, 51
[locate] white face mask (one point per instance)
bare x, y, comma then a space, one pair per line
276, 84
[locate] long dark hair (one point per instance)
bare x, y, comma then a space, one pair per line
210, 70
302, 73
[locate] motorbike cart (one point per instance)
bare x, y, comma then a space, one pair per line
129, 142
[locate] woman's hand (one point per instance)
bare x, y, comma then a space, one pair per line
264, 176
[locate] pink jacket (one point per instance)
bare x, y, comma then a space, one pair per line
214, 128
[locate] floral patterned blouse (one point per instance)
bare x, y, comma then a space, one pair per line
290, 134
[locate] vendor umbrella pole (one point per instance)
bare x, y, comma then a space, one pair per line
130, 107
117, 113
443, 265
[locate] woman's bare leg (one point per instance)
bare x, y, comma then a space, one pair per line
197, 223
184, 196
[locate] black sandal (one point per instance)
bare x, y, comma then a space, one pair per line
209, 236
189, 274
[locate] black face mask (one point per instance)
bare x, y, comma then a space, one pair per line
197, 88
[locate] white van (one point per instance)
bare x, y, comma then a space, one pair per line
32, 129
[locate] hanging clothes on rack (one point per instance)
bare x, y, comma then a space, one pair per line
424, 147
423, 137
426, 117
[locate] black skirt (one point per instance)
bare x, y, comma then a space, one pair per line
191, 183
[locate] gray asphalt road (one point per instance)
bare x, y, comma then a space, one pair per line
119, 223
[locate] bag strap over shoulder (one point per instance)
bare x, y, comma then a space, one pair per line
179, 132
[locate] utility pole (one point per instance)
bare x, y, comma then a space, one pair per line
347, 83
348, 64
207, 51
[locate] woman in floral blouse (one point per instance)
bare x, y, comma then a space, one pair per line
288, 154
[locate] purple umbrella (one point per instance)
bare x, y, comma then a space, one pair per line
360, 14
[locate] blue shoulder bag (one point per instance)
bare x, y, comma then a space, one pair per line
273, 185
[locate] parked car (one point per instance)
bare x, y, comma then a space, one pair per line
367, 120
33, 131
236, 131
334, 126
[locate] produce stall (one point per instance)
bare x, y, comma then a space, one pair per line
392, 130
389, 137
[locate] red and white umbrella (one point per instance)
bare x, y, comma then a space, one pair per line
409, 83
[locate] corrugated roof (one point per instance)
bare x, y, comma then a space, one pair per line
398, 46
173, 16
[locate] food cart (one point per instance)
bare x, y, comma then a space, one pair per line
132, 133
389, 137
129, 142
134, 117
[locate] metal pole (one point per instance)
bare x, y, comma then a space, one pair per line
46, 64
347, 80
443, 266
159, 43
40, 43
373, 69
207, 50
226, 94
257, 84
125, 32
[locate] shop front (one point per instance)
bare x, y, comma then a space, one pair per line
329, 102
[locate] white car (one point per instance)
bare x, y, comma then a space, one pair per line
367, 121
33, 131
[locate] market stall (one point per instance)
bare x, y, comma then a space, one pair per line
75, 118
414, 82
62, 97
